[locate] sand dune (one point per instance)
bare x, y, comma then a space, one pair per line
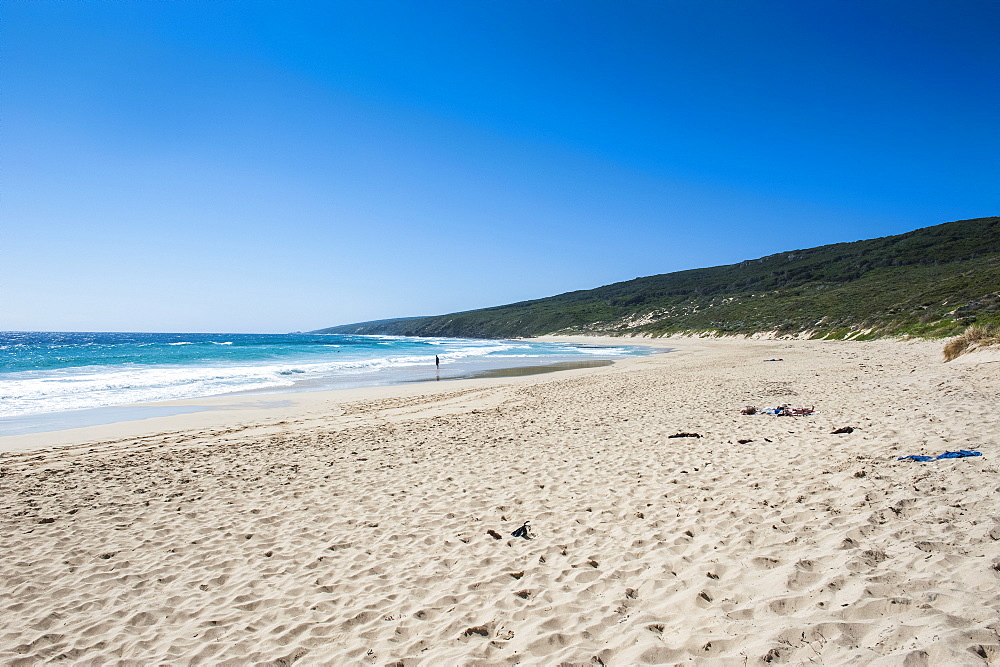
359, 533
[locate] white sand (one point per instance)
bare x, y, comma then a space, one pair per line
351, 527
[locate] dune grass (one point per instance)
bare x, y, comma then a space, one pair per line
976, 336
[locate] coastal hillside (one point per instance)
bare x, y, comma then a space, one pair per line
932, 281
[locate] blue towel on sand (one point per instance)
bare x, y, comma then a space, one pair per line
960, 454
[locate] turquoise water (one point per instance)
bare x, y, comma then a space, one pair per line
58, 372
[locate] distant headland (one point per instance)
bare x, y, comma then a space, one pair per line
930, 282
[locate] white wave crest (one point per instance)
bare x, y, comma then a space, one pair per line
56, 390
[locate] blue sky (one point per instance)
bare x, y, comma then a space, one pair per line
278, 166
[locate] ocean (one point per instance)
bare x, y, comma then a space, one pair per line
44, 373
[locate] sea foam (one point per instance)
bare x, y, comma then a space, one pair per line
43, 373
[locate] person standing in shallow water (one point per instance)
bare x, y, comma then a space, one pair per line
437, 362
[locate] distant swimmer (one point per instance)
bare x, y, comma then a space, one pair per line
437, 361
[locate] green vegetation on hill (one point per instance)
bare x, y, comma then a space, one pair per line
933, 281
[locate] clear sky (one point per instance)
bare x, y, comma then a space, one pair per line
278, 166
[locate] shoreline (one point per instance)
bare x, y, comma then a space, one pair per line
136, 420
356, 529
111, 422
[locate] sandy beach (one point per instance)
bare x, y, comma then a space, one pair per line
374, 526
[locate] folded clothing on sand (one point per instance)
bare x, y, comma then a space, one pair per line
960, 454
781, 411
